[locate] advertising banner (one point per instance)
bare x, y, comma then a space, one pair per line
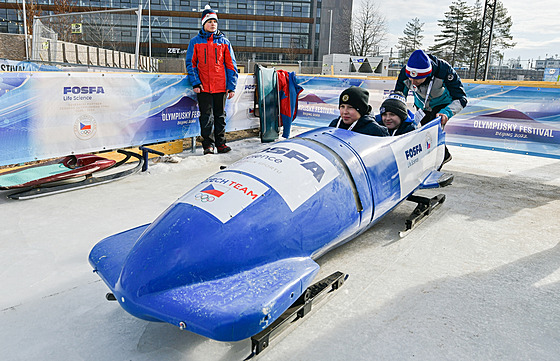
515, 119
518, 119
53, 114
45, 115
551, 74
14, 65
318, 103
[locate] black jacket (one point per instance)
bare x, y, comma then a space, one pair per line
447, 93
405, 127
366, 125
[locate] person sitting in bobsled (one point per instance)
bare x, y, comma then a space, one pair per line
394, 115
355, 113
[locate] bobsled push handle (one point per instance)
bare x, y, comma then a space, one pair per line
145, 152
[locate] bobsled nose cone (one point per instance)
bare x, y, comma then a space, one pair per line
167, 254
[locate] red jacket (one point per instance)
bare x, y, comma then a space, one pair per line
211, 62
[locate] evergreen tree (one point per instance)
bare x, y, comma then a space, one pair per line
501, 35
411, 40
459, 39
448, 44
472, 36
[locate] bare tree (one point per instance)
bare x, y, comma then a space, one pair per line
63, 25
100, 30
32, 9
291, 52
369, 29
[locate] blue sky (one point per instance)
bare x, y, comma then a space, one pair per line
536, 24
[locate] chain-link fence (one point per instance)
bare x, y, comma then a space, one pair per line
91, 39
316, 67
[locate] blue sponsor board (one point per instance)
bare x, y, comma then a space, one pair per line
551, 74
45, 115
518, 119
52, 114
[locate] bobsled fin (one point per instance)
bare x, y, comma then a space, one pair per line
234, 307
437, 180
108, 256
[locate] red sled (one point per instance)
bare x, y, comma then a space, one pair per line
49, 177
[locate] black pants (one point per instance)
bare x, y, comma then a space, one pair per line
212, 118
431, 115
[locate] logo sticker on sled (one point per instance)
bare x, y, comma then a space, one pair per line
412, 157
225, 194
295, 171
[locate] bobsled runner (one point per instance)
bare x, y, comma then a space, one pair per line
234, 253
64, 174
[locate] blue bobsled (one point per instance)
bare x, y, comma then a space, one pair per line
232, 254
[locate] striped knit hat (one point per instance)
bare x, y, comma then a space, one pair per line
208, 14
396, 104
419, 65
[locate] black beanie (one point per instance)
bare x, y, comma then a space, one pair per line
357, 97
395, 103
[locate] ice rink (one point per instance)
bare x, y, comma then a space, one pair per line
478, 280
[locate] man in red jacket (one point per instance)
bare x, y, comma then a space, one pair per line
212, 72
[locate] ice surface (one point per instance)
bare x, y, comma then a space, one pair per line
478, 280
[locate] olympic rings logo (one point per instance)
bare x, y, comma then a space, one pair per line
204, 197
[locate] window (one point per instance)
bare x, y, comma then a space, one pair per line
242, 6
296, 9
269, 7
268, 39
183, 2
214, 5
240, 38
184, 36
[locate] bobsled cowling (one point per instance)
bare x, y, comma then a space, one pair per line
232, 254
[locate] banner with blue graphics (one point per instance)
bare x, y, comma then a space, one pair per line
512, 118
515, 119
551, 74
318, 103
13, 65
53, 114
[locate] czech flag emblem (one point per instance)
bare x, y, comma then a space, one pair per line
213, 191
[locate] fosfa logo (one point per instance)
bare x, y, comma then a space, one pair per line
413, 151
83, 90
310, 165
85, 127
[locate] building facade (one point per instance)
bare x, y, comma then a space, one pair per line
547, 63
261, 30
